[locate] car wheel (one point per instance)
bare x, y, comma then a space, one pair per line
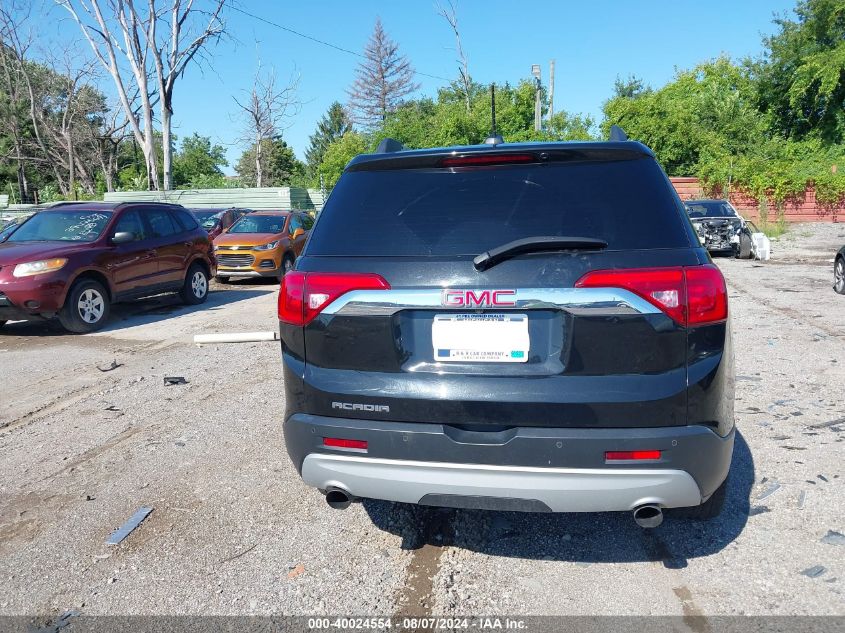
195, 289
839, 276
86, 307
287, 266
744, 251
222, 279
710, 509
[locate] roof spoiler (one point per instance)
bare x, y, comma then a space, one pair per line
388, 146
617, 134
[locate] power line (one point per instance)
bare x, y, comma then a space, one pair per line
319, 41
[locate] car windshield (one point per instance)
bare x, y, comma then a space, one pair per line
63, 226
208, 219
715, 209
259, 224
8, 229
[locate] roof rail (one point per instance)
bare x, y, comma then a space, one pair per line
617, 134
388, 146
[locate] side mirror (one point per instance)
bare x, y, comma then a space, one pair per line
122, 237
296, 233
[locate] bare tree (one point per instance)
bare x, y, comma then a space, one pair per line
126, 42
384, 79
15, 41
450, 14
61, 101
264, 112
180, 45
105, 138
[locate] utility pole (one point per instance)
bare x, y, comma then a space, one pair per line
551, 88
535, 70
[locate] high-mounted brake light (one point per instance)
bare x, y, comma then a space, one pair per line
612, 456
338, 442
303, 296
478, 160
691, 295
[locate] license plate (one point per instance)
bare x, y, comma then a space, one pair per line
480, 338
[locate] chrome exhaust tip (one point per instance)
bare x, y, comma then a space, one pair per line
338, 499
648, 516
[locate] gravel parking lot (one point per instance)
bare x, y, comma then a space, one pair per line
234, 531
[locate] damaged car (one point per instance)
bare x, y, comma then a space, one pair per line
721, 229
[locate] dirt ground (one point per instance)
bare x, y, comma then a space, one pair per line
233, 530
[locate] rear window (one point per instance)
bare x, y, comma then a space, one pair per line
434, 212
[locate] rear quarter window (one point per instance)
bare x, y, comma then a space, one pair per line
440, 212
186, 219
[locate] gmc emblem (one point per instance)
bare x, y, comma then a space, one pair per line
478, 298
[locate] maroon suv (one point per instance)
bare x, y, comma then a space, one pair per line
75, 259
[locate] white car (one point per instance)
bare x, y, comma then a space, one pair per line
722, 230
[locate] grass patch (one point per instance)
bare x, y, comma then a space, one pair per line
772, 229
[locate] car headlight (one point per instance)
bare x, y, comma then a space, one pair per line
39, 268
267, 247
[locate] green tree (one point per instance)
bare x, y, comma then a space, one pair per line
801, 78
334, 124
283, 168
198, 160
629, 88
338, 154
702, 113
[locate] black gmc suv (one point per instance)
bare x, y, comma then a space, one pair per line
528, 327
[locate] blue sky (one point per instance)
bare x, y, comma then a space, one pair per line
592, 42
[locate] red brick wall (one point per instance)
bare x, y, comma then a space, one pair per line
804, 209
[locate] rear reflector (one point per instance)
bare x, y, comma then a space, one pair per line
631, 455
691, 295
337, 442
304, 295
487, 159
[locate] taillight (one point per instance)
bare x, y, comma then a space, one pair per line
707, 296
691, 295
339, 442
616, 456
304, 295
478, 160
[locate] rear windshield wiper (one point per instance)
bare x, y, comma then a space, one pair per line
538, 244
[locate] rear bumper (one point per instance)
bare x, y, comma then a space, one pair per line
532, 469
502, 487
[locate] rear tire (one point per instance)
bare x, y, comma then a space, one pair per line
287, 266
839, 275
744, 246
710, 509
86, 307
195, 289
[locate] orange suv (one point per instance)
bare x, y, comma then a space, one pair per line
261, 244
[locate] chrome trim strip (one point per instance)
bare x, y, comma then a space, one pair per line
576, 300
560, 489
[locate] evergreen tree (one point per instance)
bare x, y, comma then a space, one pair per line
385, 78
334, 124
